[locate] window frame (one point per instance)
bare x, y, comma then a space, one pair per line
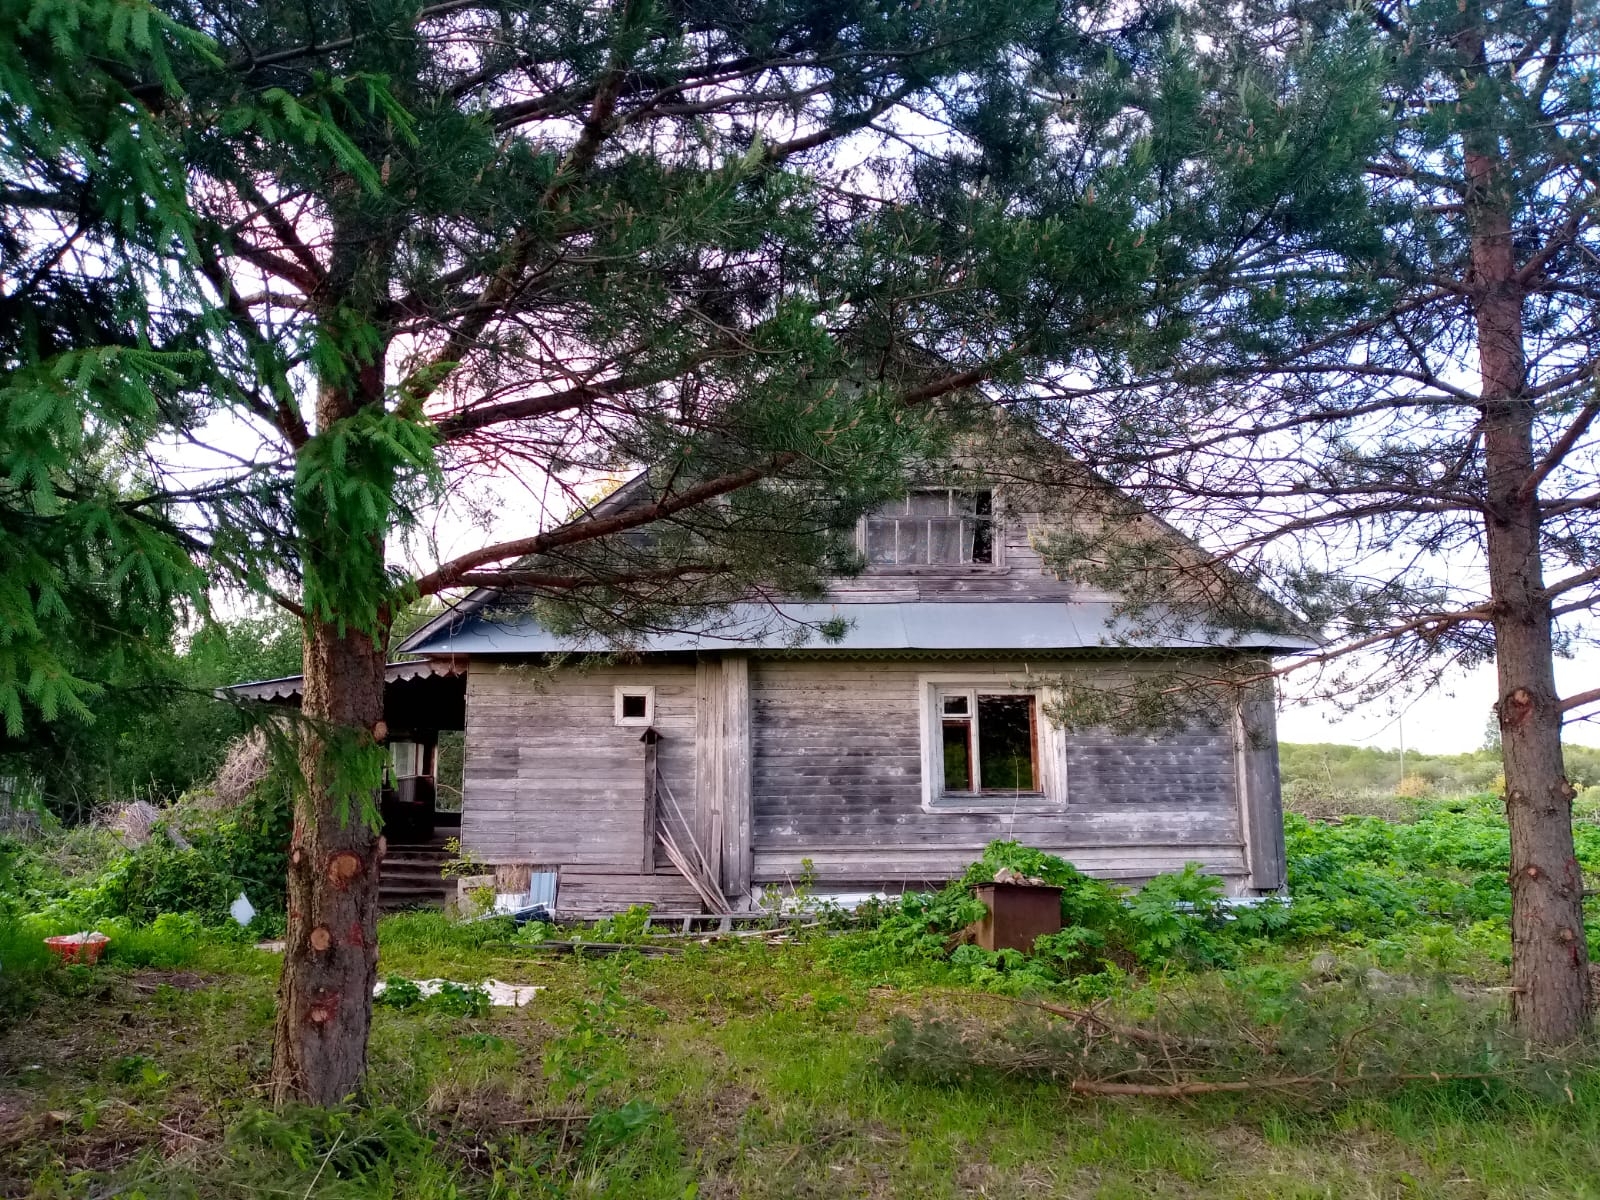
646, 690
1049, 747
996, 539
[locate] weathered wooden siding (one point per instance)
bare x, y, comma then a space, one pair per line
549, 779
836, 766
834, 776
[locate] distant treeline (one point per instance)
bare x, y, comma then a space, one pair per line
1324, 768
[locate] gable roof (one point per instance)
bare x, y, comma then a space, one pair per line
481, 623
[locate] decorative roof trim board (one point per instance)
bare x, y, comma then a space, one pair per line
290, 686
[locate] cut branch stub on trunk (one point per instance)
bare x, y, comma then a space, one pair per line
331, 945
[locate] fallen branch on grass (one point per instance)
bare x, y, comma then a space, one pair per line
574, 947
1203, 1087
1089, 1020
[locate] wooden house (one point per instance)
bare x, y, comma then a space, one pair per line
716, 764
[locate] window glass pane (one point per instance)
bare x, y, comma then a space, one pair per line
957, 756
933, 526
944, 540
407, 759
880, 541
955, 706
1006, 744
929, 504
912, 548
633, 705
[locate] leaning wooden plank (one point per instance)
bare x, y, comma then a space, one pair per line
708, 893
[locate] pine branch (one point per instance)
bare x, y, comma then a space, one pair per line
609, 578
450, 574
1578, 700
1558, 452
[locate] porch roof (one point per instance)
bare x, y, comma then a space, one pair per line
289, 687
932, 626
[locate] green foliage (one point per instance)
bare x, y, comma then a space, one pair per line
584, 1060
400, 992
153, 729
243, 849
1176, 922
1372, 882
460, 1000
1433, 890
92, 564
452, 999
626, 926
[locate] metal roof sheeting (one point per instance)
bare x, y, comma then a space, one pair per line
290, 686
933, 626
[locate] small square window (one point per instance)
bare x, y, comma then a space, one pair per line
635, 706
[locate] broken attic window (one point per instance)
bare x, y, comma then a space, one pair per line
933, 527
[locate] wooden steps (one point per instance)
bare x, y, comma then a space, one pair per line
409, 877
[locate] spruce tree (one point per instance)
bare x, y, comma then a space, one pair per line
726, 243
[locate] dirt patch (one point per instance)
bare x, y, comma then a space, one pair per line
16, 1118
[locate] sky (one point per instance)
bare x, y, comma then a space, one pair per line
1450, 719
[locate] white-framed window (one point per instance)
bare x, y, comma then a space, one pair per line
934, 527
407, 759
634, 705
987, 745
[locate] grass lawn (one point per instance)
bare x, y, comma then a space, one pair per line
741, 1070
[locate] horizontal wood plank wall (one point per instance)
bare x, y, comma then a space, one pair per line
586, 893
548, 778
1019, 575
836, 778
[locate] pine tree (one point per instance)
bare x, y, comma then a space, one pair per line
1373, 379
94, 200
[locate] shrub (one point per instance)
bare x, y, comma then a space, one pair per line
243, 849
1175, 922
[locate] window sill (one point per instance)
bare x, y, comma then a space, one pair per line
948, 570
994, 804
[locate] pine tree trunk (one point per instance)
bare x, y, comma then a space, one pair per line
331, 955
1549, 956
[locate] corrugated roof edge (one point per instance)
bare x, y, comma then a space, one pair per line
932, 626
288, 686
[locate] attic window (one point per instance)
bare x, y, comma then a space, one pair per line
933, 527
635, 706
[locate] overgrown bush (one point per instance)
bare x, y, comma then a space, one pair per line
1432, 891
197, 860
1366, 880
1176, 922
